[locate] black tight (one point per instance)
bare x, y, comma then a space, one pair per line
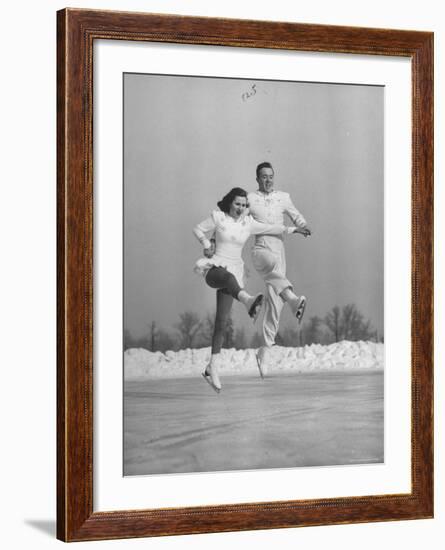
223, 306
227, 289
220, 278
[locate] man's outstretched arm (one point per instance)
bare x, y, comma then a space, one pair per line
296, 217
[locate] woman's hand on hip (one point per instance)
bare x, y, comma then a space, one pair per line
210, 251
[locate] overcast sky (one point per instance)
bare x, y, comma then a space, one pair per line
189, 140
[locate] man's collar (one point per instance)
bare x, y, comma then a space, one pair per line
263, 194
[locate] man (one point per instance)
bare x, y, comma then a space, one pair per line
269, 206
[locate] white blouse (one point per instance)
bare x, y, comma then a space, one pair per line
230, 236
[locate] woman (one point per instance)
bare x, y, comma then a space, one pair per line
223, 266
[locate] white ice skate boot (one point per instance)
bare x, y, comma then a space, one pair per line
298, 306
253, 304
211, 374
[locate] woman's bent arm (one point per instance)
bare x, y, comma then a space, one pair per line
202, 229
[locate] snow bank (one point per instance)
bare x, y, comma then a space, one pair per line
143, 364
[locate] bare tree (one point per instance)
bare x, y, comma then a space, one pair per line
152, 336
349, 324
166, 342
128, 340
155, 340
206, 333
132, 342
311, 330
188, 328
208, 326
240, 339
289, 337
332, 321
229, 334
257, 341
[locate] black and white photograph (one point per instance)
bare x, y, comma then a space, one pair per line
253, 328
221, 232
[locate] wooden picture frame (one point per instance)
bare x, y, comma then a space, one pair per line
77, 31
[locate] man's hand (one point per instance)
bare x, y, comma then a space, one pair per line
305, 231
210, 251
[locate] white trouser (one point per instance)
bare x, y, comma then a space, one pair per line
270, 262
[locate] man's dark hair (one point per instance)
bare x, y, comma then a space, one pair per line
225, 203
262, 165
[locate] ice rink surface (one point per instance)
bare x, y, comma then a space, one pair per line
181, 425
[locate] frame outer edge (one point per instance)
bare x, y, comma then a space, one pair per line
74, 251
75, 517
423, 264
61, 305
174, 28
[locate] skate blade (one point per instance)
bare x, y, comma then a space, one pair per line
210, 383
300, 311
259, 367
255, 308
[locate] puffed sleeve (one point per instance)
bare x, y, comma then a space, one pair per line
203, 230
289, 208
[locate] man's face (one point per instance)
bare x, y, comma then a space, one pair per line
265, 180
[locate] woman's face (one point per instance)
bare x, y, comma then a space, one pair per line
238, 207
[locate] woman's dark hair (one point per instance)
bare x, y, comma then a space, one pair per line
225, 203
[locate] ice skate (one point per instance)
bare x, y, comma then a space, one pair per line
299, 309
261, 359
211, 377
254, 306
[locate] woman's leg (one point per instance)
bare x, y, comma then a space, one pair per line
223, 306
224, 303
220, 278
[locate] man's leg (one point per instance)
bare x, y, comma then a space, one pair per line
274, 273
271, 266
296, 303
271, 320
